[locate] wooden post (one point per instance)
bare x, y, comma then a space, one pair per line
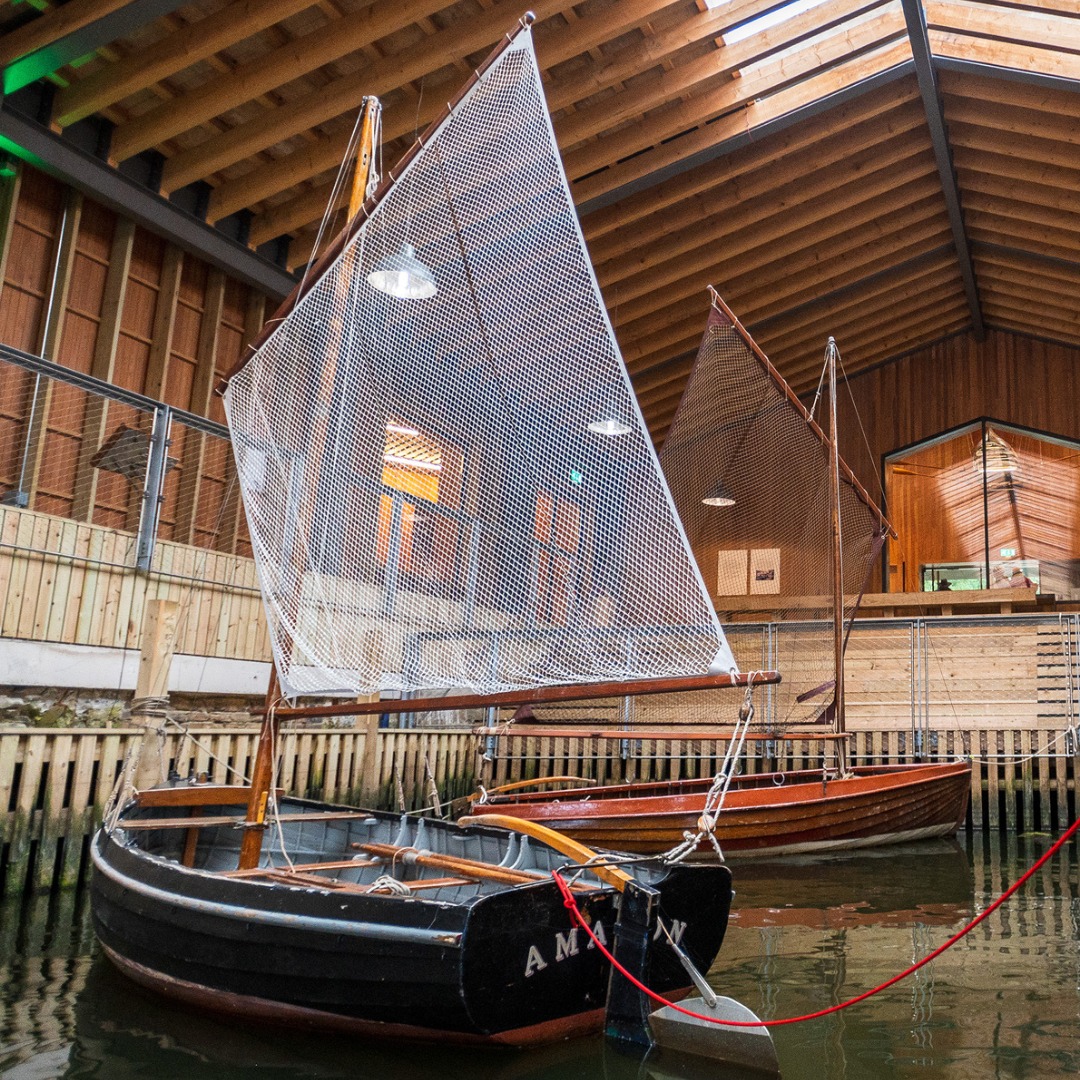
152, 687
261, 778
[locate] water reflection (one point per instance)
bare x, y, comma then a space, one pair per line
1005, 1002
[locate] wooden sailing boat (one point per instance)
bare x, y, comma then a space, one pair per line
738, 416
447, 485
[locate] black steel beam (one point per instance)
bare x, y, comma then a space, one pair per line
69, 47
915, 18
995, 71
744, 138
45, 150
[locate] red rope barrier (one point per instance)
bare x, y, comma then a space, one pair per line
575, 914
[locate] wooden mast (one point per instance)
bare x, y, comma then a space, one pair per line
837, 557
263, 769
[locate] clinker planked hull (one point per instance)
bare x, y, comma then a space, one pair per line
498, 965
774, 814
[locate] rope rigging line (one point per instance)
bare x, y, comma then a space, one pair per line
578, 919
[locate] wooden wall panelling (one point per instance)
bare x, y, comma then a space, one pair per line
63, 439
49, 340
1008, 377
161, 339
102, 367
9, 200
194, 450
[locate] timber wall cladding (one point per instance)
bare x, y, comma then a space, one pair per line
1009, 377
72, 582
131, 310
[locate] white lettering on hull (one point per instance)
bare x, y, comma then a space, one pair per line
566, 945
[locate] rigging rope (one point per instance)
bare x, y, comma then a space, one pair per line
575, 914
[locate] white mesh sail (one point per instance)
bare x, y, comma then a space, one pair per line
428, 504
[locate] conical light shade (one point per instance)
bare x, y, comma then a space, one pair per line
719, 496
403, 275
995, 455
611, 426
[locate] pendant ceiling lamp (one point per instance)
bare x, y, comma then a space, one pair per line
719, 495
403, 275
994, 455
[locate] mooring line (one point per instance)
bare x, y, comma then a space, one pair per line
571, 904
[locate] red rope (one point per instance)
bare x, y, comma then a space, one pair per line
575, 913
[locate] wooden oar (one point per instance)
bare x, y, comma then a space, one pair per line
517, 785
563, 844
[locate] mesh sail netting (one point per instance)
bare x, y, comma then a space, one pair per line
428, 503
742, 440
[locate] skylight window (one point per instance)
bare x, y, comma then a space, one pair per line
763, 22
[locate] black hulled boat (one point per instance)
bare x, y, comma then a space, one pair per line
379, 925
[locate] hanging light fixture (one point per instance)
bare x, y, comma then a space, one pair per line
994, 455
719, 495
611, 426
403, 275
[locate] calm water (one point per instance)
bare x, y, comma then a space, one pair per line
1005, 1002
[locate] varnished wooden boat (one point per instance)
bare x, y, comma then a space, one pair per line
763, 814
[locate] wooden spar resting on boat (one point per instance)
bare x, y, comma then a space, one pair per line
835, 808
236, 899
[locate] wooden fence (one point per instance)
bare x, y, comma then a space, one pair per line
55, 783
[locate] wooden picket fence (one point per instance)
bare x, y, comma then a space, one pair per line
54, 784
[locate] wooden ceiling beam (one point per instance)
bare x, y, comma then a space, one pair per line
880, 293
54, 25
773, 215
1033, 200
939, 139
177, 50
277, 68
650, 371
855, 157
828, 57
991, 229
940, 280
1012, 164
994, 85
1058, 225
1008, 26
463, 38
1018, 285
810, 231
872, 339
1027, 58
918, 237
867, 120
1041, 150
1037, 124
647, 94
1037, 318
806, 176
1013, 256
